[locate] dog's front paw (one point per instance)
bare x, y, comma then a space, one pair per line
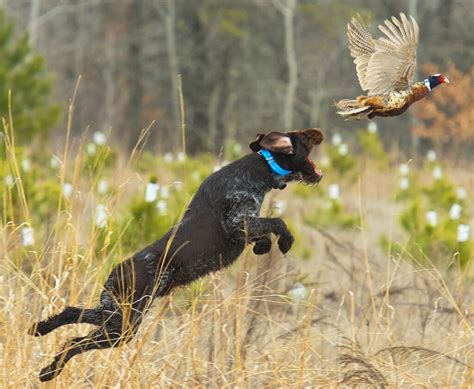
285, 242
262, 246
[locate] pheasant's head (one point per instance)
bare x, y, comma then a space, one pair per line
435, 80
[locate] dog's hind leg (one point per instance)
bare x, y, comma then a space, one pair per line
69, 315
118, 325
95, 340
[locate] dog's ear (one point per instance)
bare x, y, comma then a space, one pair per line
276, 142
255, 145
314, 135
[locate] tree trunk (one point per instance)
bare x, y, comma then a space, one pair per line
33, 22
415, 140
170, 19
288, 10
109, 82
134, 84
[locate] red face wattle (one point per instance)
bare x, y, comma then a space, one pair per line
443, 79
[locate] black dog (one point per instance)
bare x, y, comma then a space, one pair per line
221, 219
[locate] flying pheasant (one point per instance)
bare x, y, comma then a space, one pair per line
385, 69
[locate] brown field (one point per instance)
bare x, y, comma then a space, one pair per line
364, 318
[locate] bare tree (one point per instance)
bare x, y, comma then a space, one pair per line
168, 13
287, 9
33, 22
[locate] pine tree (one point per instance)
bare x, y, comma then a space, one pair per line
22, 72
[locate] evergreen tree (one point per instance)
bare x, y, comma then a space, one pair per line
22, 72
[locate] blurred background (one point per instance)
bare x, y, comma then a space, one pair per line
246, 66
377, 289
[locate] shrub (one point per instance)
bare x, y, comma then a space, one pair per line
22, 73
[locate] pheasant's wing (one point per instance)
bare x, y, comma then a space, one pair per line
361, 46
393, 64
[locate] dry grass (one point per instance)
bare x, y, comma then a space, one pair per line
367, 320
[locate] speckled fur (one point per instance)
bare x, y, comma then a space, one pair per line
221, 219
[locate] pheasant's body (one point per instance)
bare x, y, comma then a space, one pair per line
392, 104
385, 68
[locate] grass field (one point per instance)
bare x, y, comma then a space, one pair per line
349, 315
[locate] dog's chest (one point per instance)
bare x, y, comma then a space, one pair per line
241, 204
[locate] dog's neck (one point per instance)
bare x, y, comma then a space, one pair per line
273, 181
273, 164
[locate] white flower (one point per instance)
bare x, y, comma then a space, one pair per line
9, 180
101, 216
431, 155
151, 192
372, 127
91, 149
432, 218
463, 233
461, 193
437, 173
27, 234
404, 169
343, 149
102, 186
26, 165
334, 191
67, 190
181, 156
298, 292
99, 138
336, 139
455, 211
404, 183
279, 207
55, 162
168, 158
162, 207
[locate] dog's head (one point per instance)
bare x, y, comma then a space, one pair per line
291, 150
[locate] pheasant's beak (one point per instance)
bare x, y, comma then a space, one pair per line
446, 80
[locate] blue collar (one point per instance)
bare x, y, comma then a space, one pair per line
277, 169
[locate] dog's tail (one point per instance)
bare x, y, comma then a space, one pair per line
353, 109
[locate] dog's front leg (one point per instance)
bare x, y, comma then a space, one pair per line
262, 245
257, 227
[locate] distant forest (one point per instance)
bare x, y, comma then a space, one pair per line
245, 65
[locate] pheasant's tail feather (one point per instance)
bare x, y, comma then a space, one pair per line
353, 110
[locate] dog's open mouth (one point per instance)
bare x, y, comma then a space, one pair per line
312, 174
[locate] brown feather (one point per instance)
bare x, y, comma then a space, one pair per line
389, 62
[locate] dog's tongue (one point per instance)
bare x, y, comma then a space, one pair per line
315, 168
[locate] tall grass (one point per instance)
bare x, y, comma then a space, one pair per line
361, 317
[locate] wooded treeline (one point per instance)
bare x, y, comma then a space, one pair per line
246, 65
